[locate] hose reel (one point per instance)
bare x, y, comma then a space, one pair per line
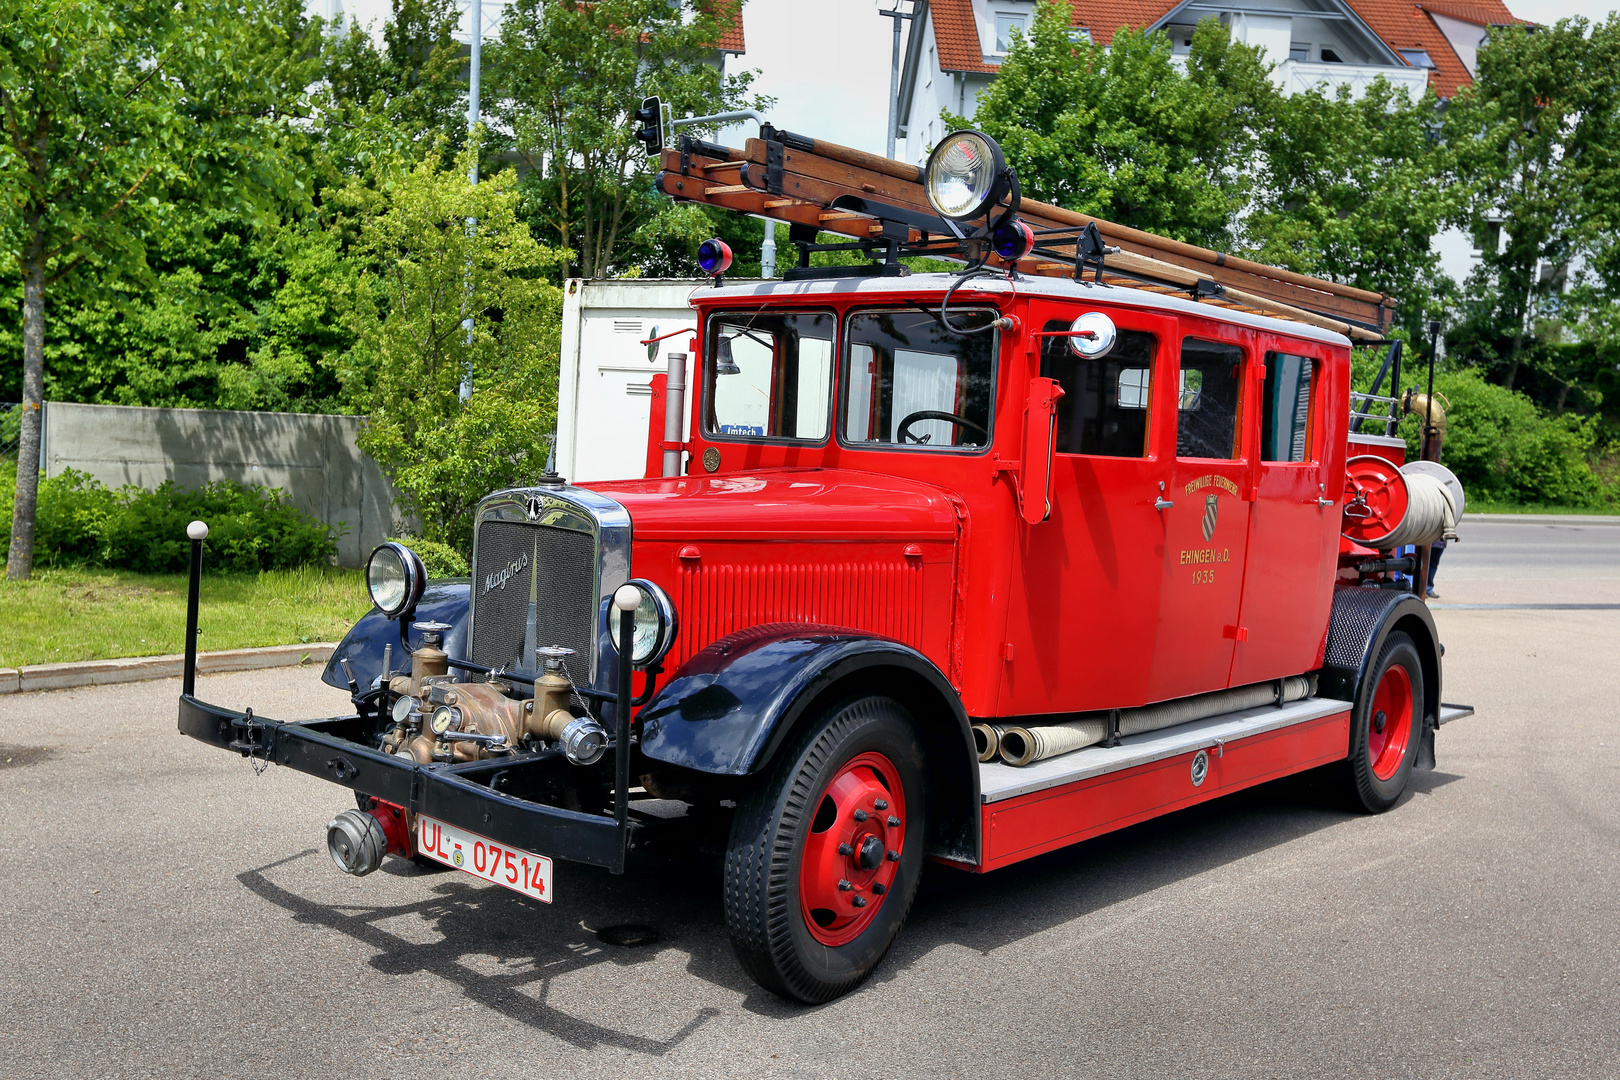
1388, 506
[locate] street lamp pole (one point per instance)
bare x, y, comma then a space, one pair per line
474, 72
894, 72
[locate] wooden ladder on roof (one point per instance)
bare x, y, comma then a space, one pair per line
817, 186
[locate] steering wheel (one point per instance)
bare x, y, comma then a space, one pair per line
903, 432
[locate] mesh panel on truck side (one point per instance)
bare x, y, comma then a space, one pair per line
557, 567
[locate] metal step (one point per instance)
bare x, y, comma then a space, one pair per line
1450, 712
998, 781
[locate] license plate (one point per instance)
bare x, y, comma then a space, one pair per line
518, 870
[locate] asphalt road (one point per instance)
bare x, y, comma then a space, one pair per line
167, 913
1534, 548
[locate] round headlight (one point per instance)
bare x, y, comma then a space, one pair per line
395, 577
655, 624
963, 175
444, 718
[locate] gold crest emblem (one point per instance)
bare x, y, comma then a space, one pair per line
1210, 512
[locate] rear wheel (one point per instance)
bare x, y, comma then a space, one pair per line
1386, 726
825, 855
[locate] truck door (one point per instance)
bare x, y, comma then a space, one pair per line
1293, 545
1090, 572
1206, 523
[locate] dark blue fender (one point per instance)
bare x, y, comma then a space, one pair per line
730, 708
442, 601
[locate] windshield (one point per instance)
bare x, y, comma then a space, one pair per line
908, 381
768, 375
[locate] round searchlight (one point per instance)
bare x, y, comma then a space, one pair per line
963, 177
655, 622
395, 578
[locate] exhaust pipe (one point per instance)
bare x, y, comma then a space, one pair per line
356, 841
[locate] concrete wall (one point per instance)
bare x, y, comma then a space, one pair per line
312, 458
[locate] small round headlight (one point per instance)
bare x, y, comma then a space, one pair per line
963, 176
395, 577
655, 624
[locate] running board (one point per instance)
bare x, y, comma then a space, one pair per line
998, 781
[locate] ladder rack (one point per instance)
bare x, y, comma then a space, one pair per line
880, 203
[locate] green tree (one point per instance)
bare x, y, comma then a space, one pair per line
108, 110
569, 75
1535, 138
1125, 134
1355, 190
434, 271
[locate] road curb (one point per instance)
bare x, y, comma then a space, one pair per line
1543, 519
137, 668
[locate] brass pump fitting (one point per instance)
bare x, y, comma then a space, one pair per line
547, 714
1418, 405
429, 659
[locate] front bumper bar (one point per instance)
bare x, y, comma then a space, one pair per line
473, 796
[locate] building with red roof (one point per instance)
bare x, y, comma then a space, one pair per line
956, 46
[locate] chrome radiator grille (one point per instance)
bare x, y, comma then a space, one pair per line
533, 585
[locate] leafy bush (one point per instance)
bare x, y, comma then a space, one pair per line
1503, 448
82, 522
440, 560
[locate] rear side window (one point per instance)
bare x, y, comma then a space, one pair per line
1104, 408
1207, 414
768, 375
1285, 407
909, 383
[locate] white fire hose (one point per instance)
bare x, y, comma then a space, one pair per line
1021, 745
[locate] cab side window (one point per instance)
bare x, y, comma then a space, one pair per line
1104, 409
1285, 407
768, 375
1207, 412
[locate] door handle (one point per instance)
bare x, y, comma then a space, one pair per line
1162, 503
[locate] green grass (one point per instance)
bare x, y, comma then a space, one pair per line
61, 616
1487, 506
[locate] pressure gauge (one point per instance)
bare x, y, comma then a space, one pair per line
402, 710
444, 718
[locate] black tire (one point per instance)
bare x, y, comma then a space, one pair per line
1383, 743
786, 951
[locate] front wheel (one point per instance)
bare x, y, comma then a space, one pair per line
1386, 726
825, 855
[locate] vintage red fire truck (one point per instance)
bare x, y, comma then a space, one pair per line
957, 567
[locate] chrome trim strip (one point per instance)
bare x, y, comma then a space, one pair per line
582, 510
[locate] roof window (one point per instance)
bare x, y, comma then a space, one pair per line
1418, 58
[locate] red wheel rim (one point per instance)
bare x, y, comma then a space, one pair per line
1392, 712
852, 852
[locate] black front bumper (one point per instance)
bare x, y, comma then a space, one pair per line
471, 796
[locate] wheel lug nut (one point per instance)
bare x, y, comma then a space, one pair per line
845, 849
894, 822
894, 856
880, 804
860, 815
859, 901
844, 886
878, 888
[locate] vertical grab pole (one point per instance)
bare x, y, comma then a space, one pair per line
674, 413
625, 602
197, 531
